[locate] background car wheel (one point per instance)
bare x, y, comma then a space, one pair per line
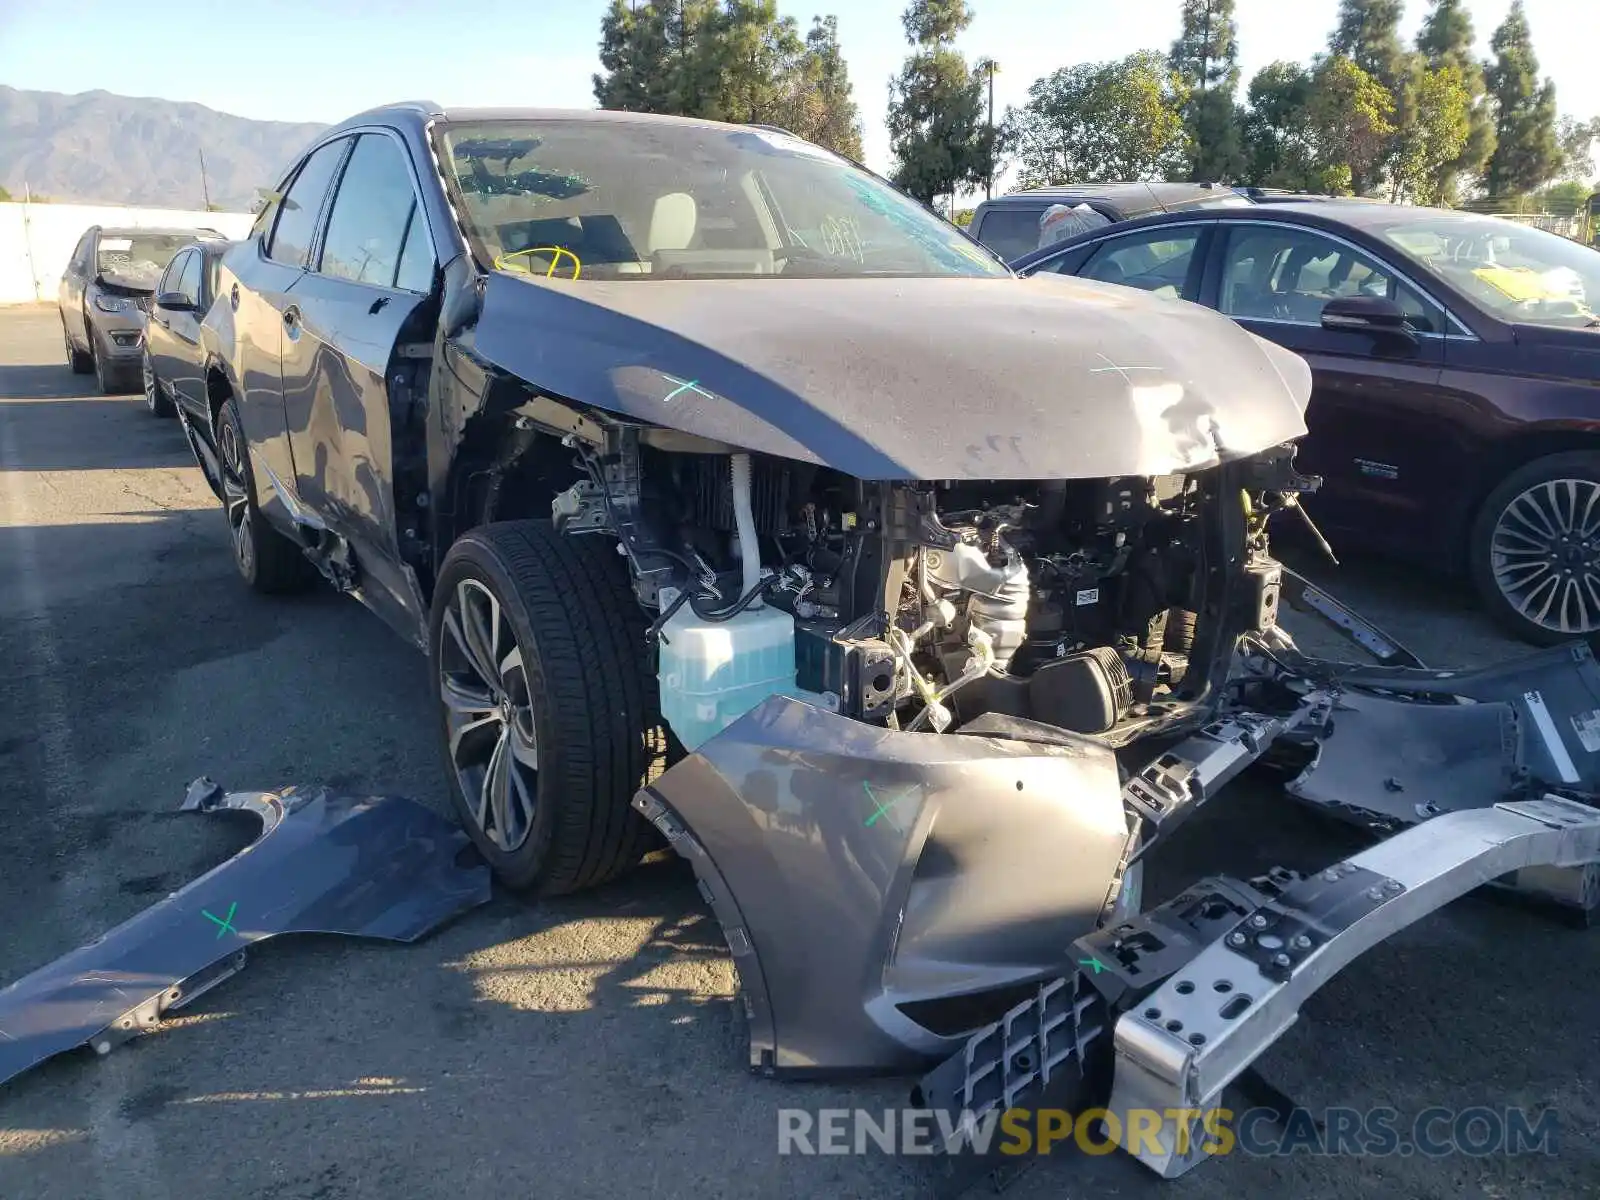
548, 707
154, 398
268, 560
1535, 552
80, 362
109, 376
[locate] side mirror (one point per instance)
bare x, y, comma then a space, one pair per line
174, 302
1367, 314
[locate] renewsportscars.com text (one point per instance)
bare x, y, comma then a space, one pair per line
1376, 1132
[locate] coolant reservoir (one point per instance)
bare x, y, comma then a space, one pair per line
713, 672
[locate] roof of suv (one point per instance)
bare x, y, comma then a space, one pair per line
1129, 199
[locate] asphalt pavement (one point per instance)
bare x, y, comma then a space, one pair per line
583, 1047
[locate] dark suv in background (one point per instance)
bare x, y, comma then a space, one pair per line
105, 293
1009, 225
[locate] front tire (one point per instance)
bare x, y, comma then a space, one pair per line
81, 362
548, 709
156, 401
110, 378
269, 561
1535, 550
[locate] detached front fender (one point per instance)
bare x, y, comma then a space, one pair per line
877, 888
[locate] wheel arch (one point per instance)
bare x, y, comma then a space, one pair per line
505, 466
1512, 455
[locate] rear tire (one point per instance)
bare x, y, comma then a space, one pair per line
269, 561
1535, 550
156, 401
548, 708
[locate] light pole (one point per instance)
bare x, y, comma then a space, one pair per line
989, 67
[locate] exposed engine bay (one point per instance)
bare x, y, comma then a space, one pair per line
1075, 604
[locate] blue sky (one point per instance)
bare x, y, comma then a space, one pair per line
320, 60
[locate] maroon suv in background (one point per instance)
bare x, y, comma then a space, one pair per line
1455, 415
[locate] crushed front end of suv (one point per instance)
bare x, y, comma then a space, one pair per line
740, 502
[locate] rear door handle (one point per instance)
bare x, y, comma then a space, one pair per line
291, 316
233, 297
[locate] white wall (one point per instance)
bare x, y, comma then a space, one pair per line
37, 240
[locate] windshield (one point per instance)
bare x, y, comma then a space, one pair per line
1516, 272
640, 200
137, 259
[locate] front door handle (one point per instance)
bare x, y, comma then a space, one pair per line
233, 297
377, 305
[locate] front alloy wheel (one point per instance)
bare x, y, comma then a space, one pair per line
1545, 555
493, 742
549, 723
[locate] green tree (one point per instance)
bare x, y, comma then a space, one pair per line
1577, 139
1205, 58
1439, 126
1527, 152
733, 60
760, 58
5, 196
633, 52
1102, 121
936, 123
1368, 34
1447, 39
1349, 116
1277, 127
823, 104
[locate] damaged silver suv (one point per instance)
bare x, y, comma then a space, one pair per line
739, 500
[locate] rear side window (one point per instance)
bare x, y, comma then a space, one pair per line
1011, 230
297, 212
371, 213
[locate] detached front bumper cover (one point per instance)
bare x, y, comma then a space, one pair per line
378, 867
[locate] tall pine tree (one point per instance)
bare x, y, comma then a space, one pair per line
1206, 58
1527, 153
1446, 39
838, 125
1368, 34
936, 118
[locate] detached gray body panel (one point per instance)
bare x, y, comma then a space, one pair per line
855, 870
379, 867
1049, 378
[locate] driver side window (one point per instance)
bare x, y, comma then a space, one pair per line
1289, 275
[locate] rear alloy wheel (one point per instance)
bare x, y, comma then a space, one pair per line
547, 704
1536, 550
267, 560
155, 400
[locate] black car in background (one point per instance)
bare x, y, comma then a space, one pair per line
105, 293
172, 368
1455, 416
1009, 225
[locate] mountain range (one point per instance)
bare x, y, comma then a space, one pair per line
97, 147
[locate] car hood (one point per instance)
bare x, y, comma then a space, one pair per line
944, 378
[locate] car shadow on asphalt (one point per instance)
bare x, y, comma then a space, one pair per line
49, 433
